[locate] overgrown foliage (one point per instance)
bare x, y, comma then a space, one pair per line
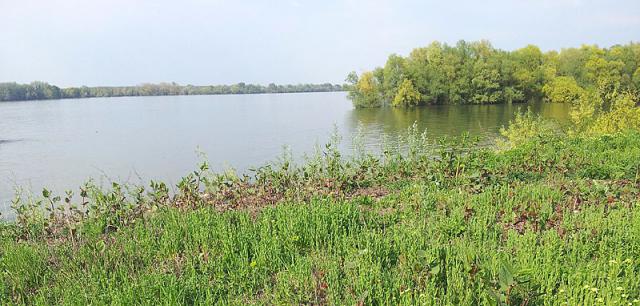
553, 220
523, 128
478, 73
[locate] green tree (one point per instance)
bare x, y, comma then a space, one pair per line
486, 84
529, 73
394, 74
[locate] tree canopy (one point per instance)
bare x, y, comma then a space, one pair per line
478, 73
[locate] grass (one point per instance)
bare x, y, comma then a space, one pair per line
551, 222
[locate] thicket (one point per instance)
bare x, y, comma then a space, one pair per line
478, 73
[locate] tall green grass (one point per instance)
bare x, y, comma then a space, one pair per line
551, 222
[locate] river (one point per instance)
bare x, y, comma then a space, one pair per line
59, 144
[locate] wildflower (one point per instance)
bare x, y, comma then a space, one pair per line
624, 295
594, 289
585, 287
561, 290
628, 260
619, 288
599, 300
253, 264
613, 261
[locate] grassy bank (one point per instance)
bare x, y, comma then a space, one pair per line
553, 221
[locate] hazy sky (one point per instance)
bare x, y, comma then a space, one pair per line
128, 42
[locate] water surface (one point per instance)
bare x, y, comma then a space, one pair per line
61, 143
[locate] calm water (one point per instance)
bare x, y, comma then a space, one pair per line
60, 144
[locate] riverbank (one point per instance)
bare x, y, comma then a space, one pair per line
555, 219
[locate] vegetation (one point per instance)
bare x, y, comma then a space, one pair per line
552, 220
367, 94
41, 91
525, 127
478, 73
407, 95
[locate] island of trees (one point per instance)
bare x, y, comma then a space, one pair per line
478, 73
43, 91
601, 84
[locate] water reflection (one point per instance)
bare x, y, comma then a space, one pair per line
448, 120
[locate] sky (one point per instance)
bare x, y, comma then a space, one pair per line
201, 42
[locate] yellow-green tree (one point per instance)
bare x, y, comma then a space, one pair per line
562, 89
623, 115
523, 128
605, 76
366, 90
584, 111
407, 95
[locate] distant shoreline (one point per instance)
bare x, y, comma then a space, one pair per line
35, 91
189, 95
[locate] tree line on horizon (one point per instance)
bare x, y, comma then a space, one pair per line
44, 91
478, 73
